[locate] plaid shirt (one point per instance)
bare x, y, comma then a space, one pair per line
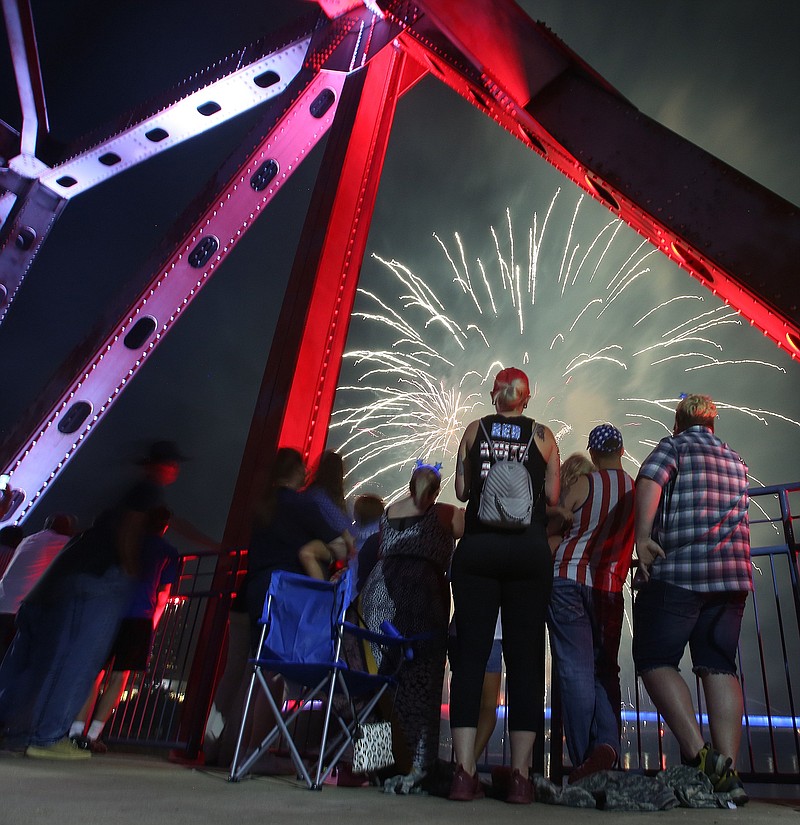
701, 521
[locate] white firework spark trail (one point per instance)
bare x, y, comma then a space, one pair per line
592, 324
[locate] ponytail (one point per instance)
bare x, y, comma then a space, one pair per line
425, 482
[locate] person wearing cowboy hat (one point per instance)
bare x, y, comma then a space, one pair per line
67, 623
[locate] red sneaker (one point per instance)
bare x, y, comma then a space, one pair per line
520, 790
465, 788
602, 758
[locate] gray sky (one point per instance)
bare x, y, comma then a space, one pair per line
725, 75
707, 78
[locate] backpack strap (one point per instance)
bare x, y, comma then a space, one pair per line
530, 441
492, 456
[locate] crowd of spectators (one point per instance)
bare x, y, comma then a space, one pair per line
77, 605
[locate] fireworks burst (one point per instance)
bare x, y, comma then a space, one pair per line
594, 326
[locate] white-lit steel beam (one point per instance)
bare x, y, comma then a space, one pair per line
25, 57
41, 193
177, 283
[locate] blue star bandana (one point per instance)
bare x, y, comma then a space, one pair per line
605, 438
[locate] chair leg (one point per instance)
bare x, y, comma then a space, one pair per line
279, 729
325, 725
232, 776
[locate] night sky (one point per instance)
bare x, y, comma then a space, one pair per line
725, 75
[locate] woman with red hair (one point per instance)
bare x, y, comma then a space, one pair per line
509, 570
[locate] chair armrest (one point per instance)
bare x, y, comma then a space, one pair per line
392, 638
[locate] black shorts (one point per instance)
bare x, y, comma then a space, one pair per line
131, 649
666, 618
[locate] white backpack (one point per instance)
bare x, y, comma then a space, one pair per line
507, 496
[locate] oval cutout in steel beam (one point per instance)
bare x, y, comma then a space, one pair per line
264, 174
323, 101
266, 79
74, 417
202, 253
140, 332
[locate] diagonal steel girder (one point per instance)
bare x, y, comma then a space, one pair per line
36, 194
338, 49
736, 237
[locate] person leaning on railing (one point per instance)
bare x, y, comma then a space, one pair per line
693, 543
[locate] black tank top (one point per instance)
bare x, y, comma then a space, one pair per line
509, 436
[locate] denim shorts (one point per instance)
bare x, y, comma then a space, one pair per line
666, 618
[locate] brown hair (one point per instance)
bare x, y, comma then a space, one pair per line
288, 462
368, 508
329, 476
695, 409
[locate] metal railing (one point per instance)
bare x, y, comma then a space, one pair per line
149, 714
769, 669
151, 710
768, 659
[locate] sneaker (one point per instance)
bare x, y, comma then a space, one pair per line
730, 784
87, 744
520, 790
63, 749
602, 758
465, 788
713, 764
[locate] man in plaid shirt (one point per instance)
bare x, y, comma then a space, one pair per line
693, 545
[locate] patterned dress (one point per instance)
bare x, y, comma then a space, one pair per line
408, 587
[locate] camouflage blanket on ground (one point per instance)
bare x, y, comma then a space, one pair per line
678, 786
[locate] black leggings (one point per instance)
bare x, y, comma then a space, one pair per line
512, 573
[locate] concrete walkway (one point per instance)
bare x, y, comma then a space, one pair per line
123, 789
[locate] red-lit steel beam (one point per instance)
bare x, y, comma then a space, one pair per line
300, 378
336, 251
736, 237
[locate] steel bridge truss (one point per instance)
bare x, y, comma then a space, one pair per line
340, 76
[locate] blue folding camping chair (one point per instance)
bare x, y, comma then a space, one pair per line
301, 639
